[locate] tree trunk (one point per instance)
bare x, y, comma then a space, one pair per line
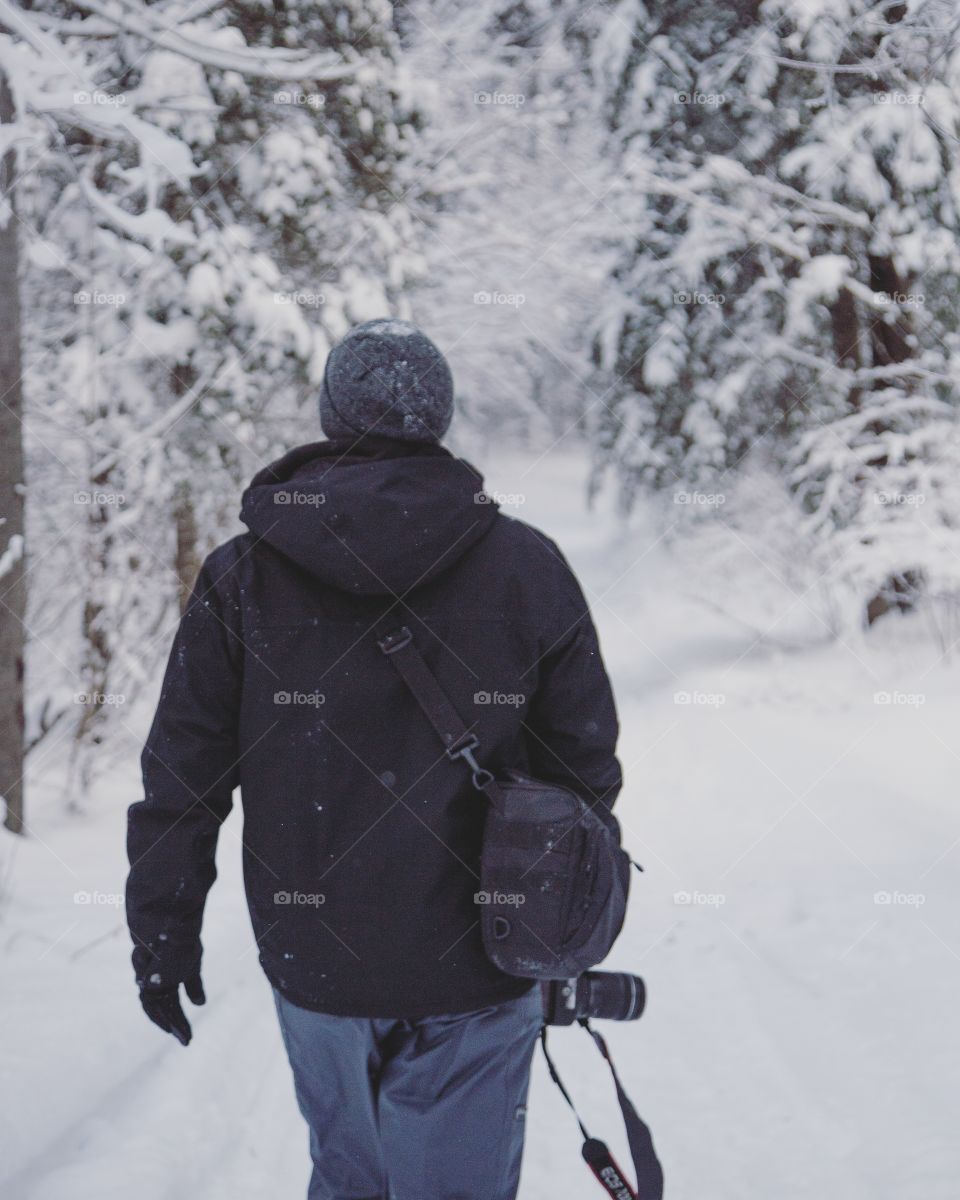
13, 579
96, 662
188, 558
890, 343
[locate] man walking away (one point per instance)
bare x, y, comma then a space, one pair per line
410, 1051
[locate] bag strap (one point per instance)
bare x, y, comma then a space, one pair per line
595, 1152
457, 739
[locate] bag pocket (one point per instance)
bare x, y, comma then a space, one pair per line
578, 889
549, 850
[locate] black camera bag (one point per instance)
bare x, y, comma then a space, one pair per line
553, 878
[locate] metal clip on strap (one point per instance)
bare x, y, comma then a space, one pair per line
396, 641
463, 748
458, 741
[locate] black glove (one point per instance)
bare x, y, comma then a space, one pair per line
162, 1006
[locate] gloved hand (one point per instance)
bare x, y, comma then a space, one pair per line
162, 1006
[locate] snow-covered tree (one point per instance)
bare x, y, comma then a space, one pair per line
508, 179
13, 579
790, 181
211, 202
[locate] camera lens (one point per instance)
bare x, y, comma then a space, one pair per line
606, 995
610, 995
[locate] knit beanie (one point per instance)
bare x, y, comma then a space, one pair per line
386, 377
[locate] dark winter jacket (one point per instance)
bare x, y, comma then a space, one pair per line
361, 839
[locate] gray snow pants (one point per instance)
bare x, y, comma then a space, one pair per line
414, 1110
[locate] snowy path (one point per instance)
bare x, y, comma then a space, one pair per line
799, 1041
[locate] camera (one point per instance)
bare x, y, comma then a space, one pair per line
606, 995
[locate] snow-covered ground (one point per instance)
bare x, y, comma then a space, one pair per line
800, 1040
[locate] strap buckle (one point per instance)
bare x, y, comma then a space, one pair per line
396, 641
463, 747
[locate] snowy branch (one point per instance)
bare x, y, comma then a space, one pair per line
169, 418
150, 228
873, 70
268, 63
12, 555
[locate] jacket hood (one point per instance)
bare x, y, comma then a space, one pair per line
373, 517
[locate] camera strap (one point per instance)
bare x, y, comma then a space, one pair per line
596, 1153
437, 707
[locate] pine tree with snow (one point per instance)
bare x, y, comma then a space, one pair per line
790, 186
212, 203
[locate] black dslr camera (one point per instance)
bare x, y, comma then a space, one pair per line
606, 995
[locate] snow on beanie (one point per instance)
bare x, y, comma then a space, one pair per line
386, 377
